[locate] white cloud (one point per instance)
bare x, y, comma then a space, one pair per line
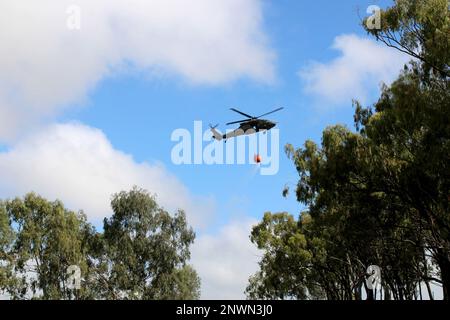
362, 66
226, 260
46, 66
78, 165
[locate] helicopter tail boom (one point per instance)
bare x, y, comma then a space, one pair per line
216, 135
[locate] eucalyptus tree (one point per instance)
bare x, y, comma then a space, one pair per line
147, 250
379, 195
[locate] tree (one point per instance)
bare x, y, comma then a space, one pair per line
48, 239
182, 284
142, 253
379, 195
147, 250
410, 123
347, 228
283, 269
410, 135
6, 240
418, 28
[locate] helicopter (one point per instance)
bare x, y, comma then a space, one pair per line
248, 126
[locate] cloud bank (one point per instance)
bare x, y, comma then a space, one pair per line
78, 165
360, 68
47, 64
226, 260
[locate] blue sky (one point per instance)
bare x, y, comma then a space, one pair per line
105, 106
138, 114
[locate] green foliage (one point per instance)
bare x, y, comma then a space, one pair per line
146, 247
378, 196
181, 284
283, 273
419, 28
6, 239
142, 253
48, 239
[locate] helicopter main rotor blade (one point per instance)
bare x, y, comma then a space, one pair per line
266, 114
235, 122
240, 112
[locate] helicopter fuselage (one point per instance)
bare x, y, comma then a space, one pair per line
248, 126
257, 125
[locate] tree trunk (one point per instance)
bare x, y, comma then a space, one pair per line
420, 291
442, 259
387, 293
430, 295
358, 291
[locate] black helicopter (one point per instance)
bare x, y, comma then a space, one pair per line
247, 127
